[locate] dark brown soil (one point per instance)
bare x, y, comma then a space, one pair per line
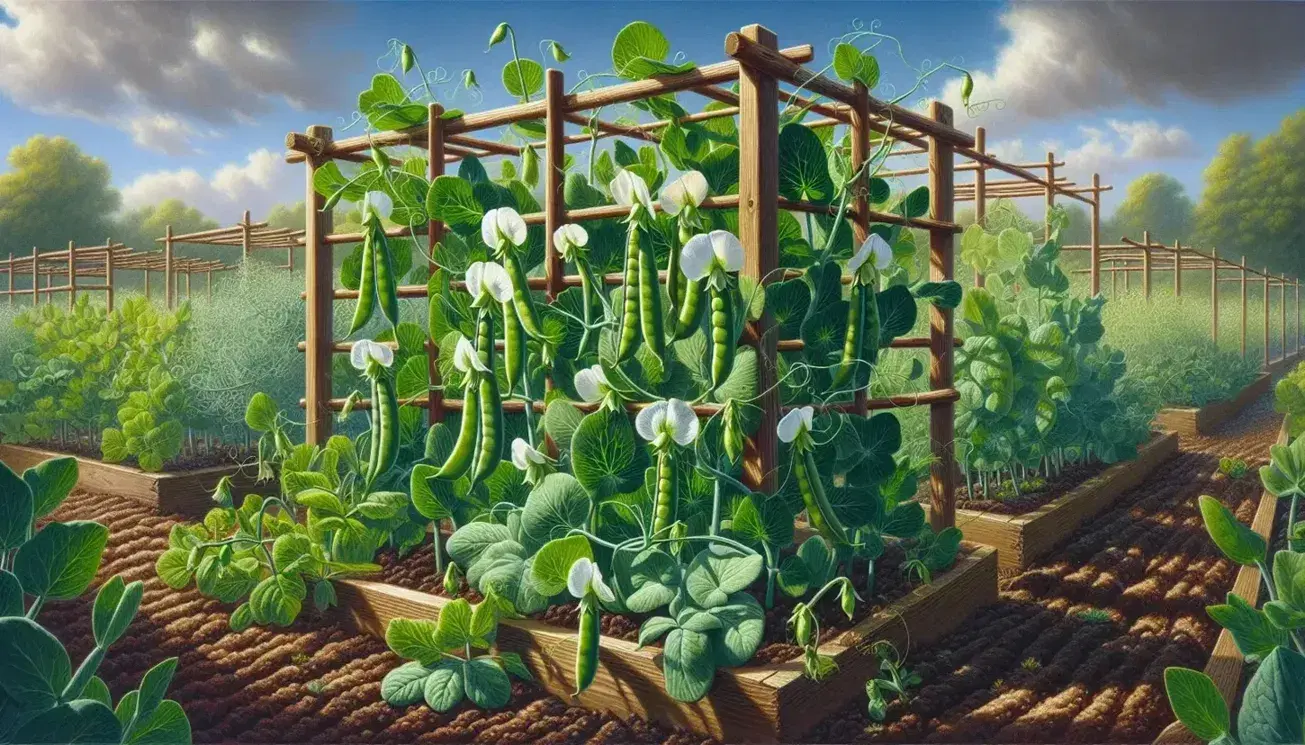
416, 571
1076, 647
203, 457
314, 682
1033, 492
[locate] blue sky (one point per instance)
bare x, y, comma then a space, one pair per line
224, 115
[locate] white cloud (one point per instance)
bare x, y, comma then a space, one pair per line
165, 66
1065, 59
263, 180
1149, 140
1122, 145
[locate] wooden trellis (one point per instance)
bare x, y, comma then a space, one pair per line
760, 68
247, 235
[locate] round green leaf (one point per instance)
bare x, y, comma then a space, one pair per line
638, 40
80, 721
803, 167
744, 625
61, 560
405, 684
688, 664
34, 667
486, 682
1196, 702
605, 455
50, 481
17, 509
555, 506
444, 686
1237, 541
523, 77
716, 573
552, 563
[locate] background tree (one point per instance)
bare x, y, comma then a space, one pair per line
54, 193
1156, 202
141, 227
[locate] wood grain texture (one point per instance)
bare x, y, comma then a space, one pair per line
1022, 539
182, 492
1226, 661
1191, 422
762, 703
319, 284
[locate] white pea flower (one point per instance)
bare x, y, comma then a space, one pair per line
665, 421
689, 190
377, 203
705, 252
485, 278
591, 384
368, 351
465, 358
875, 250
585, 577
501, 227
568, 238
795, 423
524, 456
631, 191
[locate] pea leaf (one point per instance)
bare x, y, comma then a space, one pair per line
716, 573
803, 168
50, 482
1237, 541
11, 594
444, 687
80, 721
605, 456
553, 562
743, 626
647, 579
452, 201
688, 664
34, 667
1273, 707
17, 509
555, 506
486, 683
523, 77
61, 560
278, 599
414, 640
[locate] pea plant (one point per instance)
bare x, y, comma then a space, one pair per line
45, 699
1272, 636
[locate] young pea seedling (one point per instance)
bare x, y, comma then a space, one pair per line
681, 199
585, 582
715, 258
805, 627
795, 428
642, 303
861, 340
666, 424
374, 360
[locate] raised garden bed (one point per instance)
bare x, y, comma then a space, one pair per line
1023, 538
171, 492
762, 703
1204, 420
1226, 661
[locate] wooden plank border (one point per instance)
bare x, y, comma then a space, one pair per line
1226, 661
178, 492
1022, 539
763, 703
1190, 421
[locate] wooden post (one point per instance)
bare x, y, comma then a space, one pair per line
319, 283
1096, 234
36, 277
1178, 268
554, 179
108, 276
169, 291
1214, 296
1298, 315
860, 132
942, 416
1114, 279
981, 200
434, 234
1051, 199
1128, 275
244, 236
72, 274
1244, 308
208, 284
147, 284
1146, 265
759, 234
1266, 318
11, 277
188, 276
1282, 310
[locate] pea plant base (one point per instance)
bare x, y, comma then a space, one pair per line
763, 703
176, 492
1191, 422
1226, 661
1022, 539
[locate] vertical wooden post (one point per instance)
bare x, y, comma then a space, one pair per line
434, 234
147, 283
169, 290
1128, 276
188, 276
860, 132
759, 234
72, 274
11, 277
1051, 198
1244, 308
208, 284
1282, 311
1146, 265
1214, 296
1178, 268
1267, 357
1096, 234
319, 282
554, 179
108, 276
36, 277
942, 415
1114, 278
244, 236
981, 201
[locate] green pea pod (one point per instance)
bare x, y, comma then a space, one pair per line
723, 340
387, 287
650, 303
373, 435
853, 337
630, 298
485, 340
362, 312
819, 511
690, 310
675, 280
514, 345
665, 503
587, 293
522, 298
586, 654
870, 340
387, 435
464, 449
490, 450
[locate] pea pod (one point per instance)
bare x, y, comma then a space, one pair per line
387, 287
386, 436
650, 303
690, 310
514, 345
490, 450
676, 282
665, 503
459, 460
852, 339
723, 340
819, 511
630, 298
485, 341
373, 434
586, 654
521, 297
362, 312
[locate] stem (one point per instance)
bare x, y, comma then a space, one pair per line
715, 508
36, 607
1268, 580
521, 78
770, 575
87, 669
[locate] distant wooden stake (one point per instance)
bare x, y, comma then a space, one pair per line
1214, 296
1096, 235
72, 275
981, 202
169, 289
942, 478
1244, 307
